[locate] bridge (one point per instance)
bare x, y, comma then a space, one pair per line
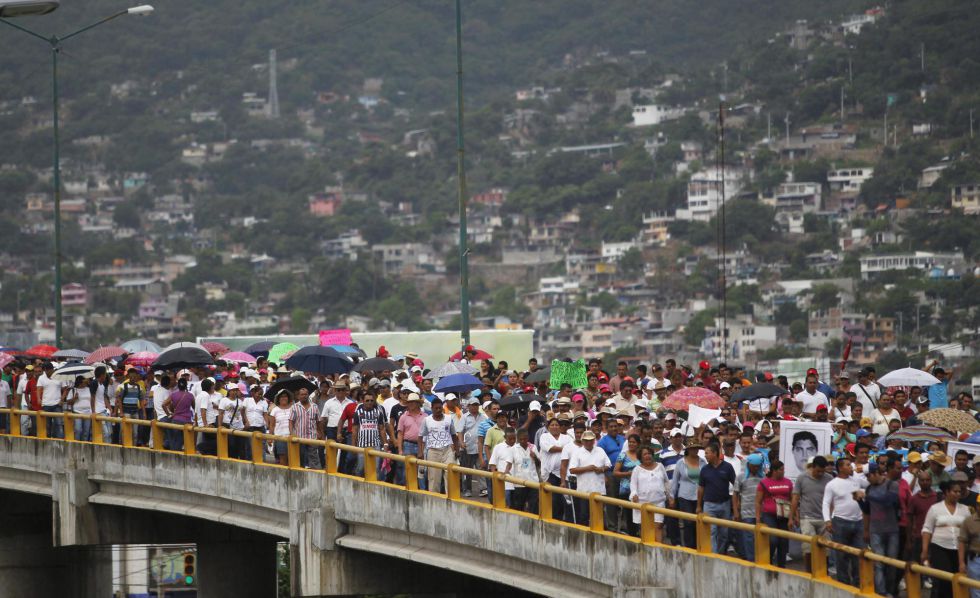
63, 501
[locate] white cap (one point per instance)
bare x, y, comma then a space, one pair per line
231, 386
676, 432
486, 405
534, 406
724, 385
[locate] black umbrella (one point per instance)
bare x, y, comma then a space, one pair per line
260, 349
511, 402
759, 390
539, 375
319, 360
376, 364
290, 383
183, 355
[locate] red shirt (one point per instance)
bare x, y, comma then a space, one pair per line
347, 417
33, 401
918, 507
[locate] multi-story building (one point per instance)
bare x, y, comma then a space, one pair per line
849, 180
966, 198
744, 338
707, 190
873, 265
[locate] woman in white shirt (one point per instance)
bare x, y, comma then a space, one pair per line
940, 534
649, 484
80, 402
231, 414
278, 422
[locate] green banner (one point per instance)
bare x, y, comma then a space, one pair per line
563, 372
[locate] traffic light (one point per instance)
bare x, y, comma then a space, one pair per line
190, 568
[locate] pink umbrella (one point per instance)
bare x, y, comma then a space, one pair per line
104, 354
238, 357
5, 358
215, 348
694, 395
142, 359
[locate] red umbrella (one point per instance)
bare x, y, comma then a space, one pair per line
43, 351
480, 354
215, 348
142, 359
694, 395
104, 354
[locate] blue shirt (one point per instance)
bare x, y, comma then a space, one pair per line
826, 389
485, 424
669, 458
715, 481
937, 395
612, 445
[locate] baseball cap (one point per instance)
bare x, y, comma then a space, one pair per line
534, 406
865, 421
812, 371
915, 457
604, 388
232, 386
676, 432
449, 396
873, 467
753, 459
959, 476
704, 365
844, 375
724, 385
473, 401
862, 433
821, 407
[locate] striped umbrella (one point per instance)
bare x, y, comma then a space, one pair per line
68, 373
71, 354
104, 354
683, 398
921, 433
953, 420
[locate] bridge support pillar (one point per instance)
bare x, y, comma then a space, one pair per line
31, 567
75, 522
236, 568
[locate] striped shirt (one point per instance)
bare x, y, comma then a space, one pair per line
303, 420
368, 422
669, 458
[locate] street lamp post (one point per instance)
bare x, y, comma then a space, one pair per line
464, 270
54, 42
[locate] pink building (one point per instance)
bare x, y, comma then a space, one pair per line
74, 295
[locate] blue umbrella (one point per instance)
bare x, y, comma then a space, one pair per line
260, 349
974, 438
458, 383
319, 360
346, 349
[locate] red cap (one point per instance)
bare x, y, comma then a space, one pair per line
382, 352
849, 449
768, 376
821, 407
811, 371
603, 377
468, 348
704, 365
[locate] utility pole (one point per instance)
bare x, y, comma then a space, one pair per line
842, 104
787, 129
850, 72
885, 130
971, 123
922, 57
769, 126
464, 271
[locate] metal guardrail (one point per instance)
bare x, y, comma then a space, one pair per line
819, 546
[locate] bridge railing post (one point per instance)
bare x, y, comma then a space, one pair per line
499, 492
221, 434
126, 431
411, 473
293, 453
257, 441
14, 424
818, 558
866, 574
42, 424
597, 517
913, 582
97, 430
370, 465
332, 454
544, 502
702, 531
190, 439
453, 482
156, 433
68, 424
648, 525
761, 544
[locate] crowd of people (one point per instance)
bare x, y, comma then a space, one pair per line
614, 437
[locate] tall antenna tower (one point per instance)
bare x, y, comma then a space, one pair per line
273, 106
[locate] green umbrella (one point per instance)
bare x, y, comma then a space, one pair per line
278, 350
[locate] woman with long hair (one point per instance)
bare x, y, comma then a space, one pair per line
278, 422
940, 535
772, 503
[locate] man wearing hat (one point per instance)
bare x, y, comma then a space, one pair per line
743, 503
468, 431
938, 462
407, 430
589, 465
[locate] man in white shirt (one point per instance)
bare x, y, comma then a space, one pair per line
159, 394
589, 465
844, 518
50, 392
810, 397
333, 408
867, 391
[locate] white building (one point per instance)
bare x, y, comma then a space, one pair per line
557, 285
704, 193
920, 260
744, 338
613, 251
654, 114
966, 198
849, 180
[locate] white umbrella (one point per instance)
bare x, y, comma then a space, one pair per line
908, 377
450, 368
71, 354
69, 372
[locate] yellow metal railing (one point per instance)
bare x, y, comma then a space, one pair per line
819, 546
